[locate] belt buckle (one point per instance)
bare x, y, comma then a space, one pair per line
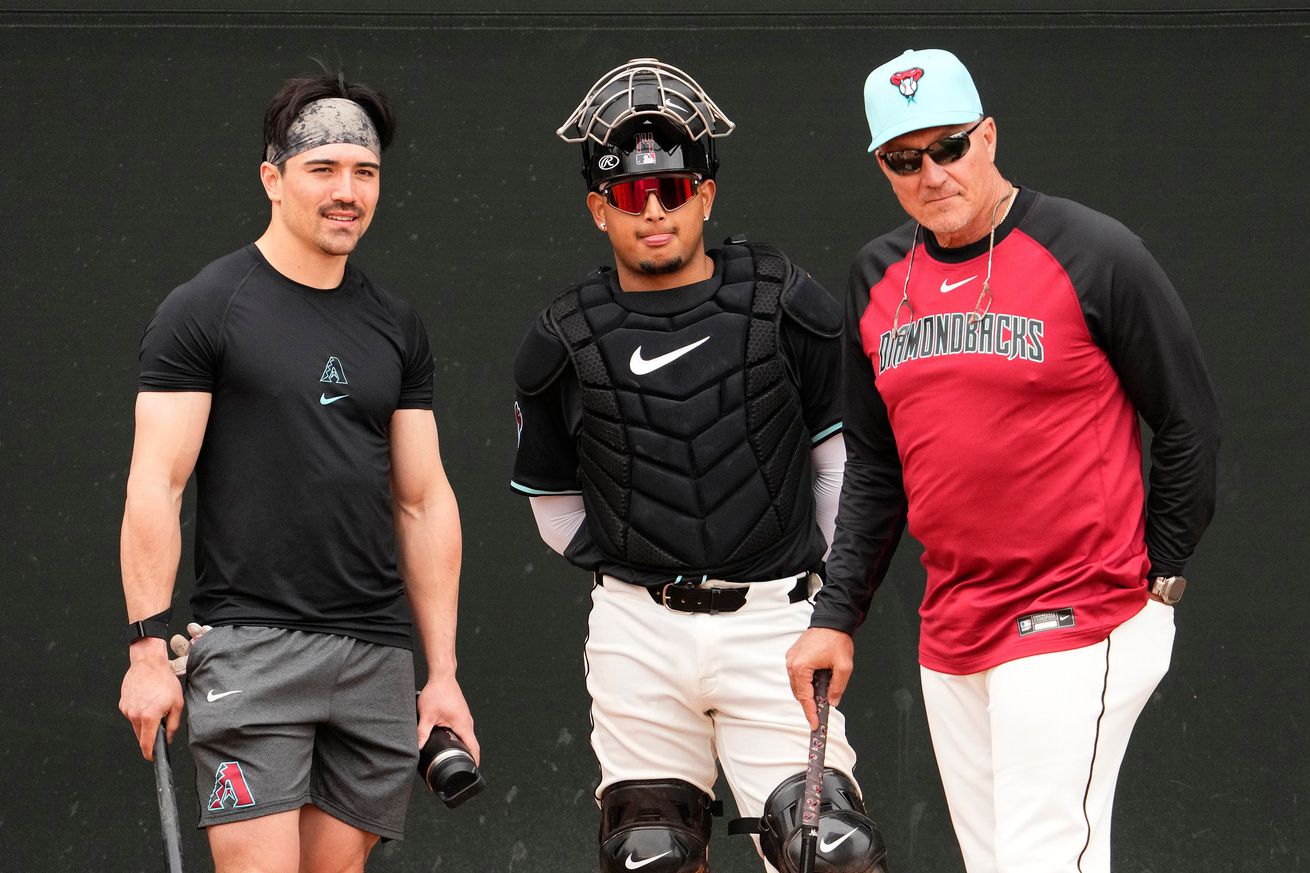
664, 597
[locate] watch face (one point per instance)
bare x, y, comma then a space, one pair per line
1169, 588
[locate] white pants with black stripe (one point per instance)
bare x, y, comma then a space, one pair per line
1029, 751
671, 691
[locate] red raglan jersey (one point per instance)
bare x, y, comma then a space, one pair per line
1010, 442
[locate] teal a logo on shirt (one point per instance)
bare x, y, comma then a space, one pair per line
333, 372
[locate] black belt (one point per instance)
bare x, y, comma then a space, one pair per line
686, 598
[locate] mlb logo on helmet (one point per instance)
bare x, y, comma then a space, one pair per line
947, 95
644, 149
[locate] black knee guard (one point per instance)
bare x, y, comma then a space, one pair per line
849, 841
656, 826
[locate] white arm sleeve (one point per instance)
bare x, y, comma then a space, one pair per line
829, 460
560, 515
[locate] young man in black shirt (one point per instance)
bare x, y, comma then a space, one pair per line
301, 394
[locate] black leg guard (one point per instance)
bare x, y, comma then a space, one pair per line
849, 841
655, 826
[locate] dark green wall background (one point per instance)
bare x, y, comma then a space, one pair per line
129, 153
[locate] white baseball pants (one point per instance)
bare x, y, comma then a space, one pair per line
671, 691
1029, 751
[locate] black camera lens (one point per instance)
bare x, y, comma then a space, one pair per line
447, 768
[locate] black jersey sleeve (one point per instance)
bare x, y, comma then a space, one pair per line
814, 353
417, 377
181, 345
1134, 313
545, 415
872, 512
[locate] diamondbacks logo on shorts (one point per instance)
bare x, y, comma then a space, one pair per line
907, 82
230, 789
518, 423
333, 372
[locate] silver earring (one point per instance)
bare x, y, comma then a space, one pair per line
707, 218
602, 225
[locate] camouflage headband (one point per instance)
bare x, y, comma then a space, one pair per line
327, 122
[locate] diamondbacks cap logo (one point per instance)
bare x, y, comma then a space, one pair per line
907, 82
230, 789
333, 372
607, 162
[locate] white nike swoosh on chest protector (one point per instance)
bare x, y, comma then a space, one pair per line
640, 366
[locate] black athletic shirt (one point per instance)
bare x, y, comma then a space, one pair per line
549, 422
1011, 444
294, 523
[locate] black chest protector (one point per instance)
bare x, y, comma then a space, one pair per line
693, 452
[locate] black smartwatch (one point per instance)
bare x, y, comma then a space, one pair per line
155, 626
1169, 588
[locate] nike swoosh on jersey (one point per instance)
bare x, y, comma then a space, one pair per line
640, 366
324, 400
948, 287
632, 864
211, 696
825, 846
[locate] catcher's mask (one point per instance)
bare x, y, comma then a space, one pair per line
645, 117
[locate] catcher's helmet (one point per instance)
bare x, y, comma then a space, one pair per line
645, 117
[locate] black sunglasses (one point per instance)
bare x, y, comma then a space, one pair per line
947, 150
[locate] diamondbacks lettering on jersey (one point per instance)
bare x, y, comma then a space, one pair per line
1014, 337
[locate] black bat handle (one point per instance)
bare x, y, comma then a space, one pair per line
167, 804
814, 774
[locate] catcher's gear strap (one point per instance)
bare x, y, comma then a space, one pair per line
849, 841
662, 825
813, 308
540, 359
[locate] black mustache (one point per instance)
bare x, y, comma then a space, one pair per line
341, 207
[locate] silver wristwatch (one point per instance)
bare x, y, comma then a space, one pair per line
1169, 588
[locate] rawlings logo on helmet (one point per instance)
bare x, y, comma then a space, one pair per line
907, 82
607, 162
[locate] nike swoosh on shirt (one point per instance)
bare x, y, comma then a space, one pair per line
825, 846
640, 366
637, 865
212, 696
324, 400
948, 287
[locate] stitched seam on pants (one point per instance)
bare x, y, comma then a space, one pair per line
1096, 742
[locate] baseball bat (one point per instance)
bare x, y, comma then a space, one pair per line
167, 804
814, 774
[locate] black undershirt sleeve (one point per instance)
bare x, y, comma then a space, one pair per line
871, 515
547, 419
817, 369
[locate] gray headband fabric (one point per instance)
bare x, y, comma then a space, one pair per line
328, 121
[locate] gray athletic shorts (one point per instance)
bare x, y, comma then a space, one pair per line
281, 718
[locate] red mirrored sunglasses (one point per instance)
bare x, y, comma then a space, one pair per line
630, 195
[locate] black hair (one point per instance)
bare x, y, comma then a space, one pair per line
299, 91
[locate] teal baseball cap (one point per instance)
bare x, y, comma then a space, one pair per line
921, 88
